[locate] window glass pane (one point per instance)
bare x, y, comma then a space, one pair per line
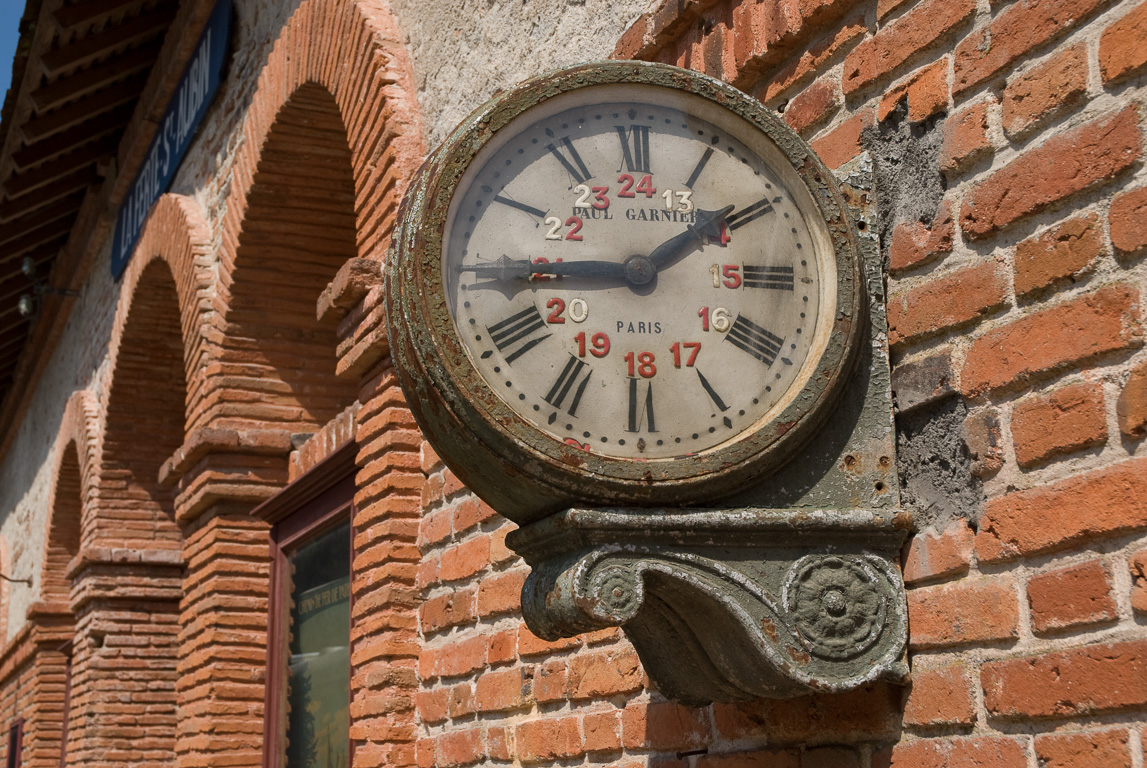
319, 676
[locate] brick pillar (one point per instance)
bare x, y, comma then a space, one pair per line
384, 618
51, 628
126, 604
223, 639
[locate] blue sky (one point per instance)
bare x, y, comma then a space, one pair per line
10, 13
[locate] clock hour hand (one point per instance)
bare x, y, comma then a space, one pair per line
506, 268
706, 224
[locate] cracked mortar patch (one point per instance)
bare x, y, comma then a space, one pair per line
906, 161
937, 484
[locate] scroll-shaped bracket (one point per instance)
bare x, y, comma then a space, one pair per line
727, 605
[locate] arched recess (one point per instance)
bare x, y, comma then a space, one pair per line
128, 577
299, 229
331, 137
51, 618
73, 491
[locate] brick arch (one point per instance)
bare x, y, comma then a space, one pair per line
73, 490
330, 138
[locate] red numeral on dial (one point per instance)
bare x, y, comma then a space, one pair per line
695, 346
644, 367
558, 306
599, 344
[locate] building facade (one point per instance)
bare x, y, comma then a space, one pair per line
207, 468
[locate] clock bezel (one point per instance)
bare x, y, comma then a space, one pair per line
521, 470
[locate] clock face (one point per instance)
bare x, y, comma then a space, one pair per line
638, 272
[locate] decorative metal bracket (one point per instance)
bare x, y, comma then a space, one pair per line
727, 605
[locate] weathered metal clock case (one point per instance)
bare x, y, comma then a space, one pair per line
522, 472
791, 584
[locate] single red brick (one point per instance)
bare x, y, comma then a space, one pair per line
1067, 250
843, 143
982, 436
1068, 163
461, 657
459, 747
604, 673
447, 610
813, 105
530, 644
966, 138
914, 244
1121, 49
498, 743
926, 91
602, 731
1044, 92
501, 593
432, 704
1042, 343
462, 560
435, 527
894, 44
1131, 408
461, 702
1091, 749
1068, 419
633, 40
1071, 597
963, 612
547, 739
1048, 518
1109, 677
500, 690
1019, 29
551, 680
1138, 568
663, 725
945, 303
1128, 218
971, 752
931, 555
940, 697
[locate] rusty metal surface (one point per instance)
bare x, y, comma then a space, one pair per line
522, 472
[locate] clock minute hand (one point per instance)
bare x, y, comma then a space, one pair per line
706, 224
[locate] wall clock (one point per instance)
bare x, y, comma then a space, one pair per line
621, 283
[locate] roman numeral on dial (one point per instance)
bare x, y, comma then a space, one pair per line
717, 401
750, 213
752, 338
566, 381
634, 148
574, 165
517, 334
778, 278
699, 167
640, 408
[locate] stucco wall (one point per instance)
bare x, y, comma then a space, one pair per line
464, 51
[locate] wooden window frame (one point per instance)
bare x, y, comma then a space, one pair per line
15, 742
315, 502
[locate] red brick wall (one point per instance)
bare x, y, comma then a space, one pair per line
245, 327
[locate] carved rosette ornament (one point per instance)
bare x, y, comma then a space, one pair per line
726, 605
